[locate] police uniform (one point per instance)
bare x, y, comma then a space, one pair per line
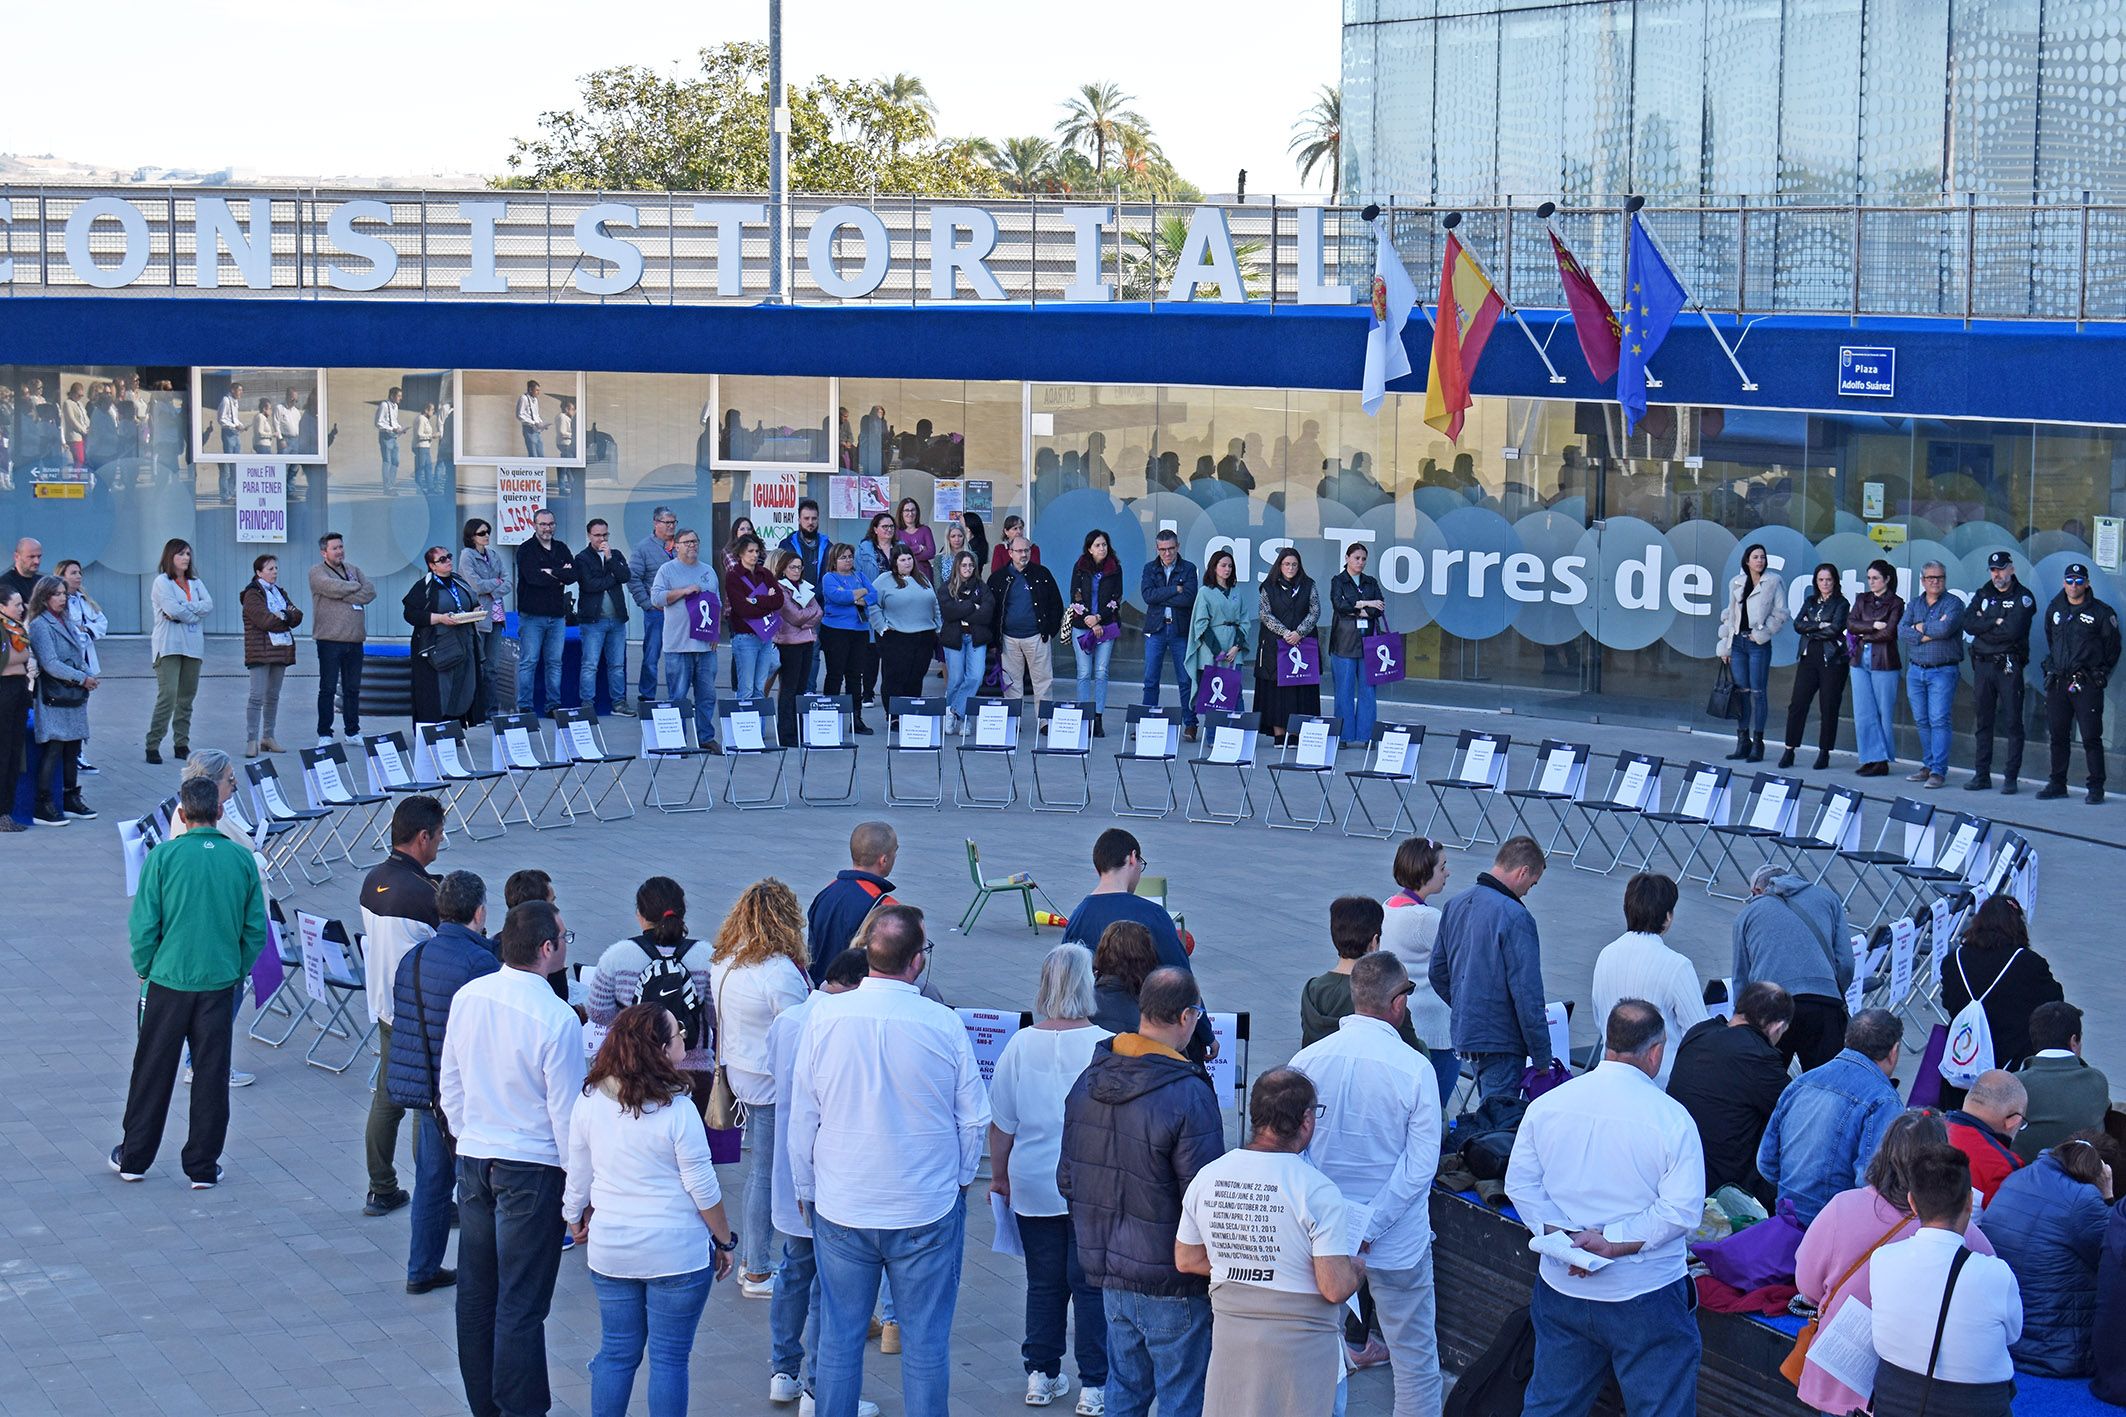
1998, 621
2084, 643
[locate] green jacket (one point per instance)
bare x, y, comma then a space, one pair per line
199, 920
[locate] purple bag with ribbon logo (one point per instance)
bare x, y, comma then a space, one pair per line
1089, 639
1298, 664
704, 617
1381, 657
1218, 689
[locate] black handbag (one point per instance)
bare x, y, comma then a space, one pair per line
1726, 700
59, 693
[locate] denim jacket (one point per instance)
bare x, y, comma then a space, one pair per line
1825, 1130
1943, 625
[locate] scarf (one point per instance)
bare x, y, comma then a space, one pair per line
18, 635
276, 599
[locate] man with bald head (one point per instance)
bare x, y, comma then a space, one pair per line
24, 573
1984, 1129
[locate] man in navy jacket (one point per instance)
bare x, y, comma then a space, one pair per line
1169, 590
1488, 965
837, 911
429, 976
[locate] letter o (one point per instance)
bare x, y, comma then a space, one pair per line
82, 220
819, 252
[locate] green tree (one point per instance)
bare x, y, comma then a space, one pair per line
1093, 121
906, 93
1318, 137
1024, 165
1150, 258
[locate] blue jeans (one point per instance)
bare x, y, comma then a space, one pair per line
509, 1250
659, 1315
435, 1170
754, 659
1932, 691
924, 1264
1354, 699
1875, 714
232, 442
1651, 1341
1447, 1067
387, 448
690, 677
1751, 664
534, 441
540, 639
1092, 670
756, 1232
1157, 1347
793, 1312
602, 640
1160, 647
963, 673
1054, 1282
1497, 1074
424, 465
339, 672
646, 680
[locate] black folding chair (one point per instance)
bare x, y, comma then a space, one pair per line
1768, 812
1833, 826
1634, 789
1701, 800
1907, 834
1229, 744
1066, 737
748, 730
990, 734
519, 752
329, 779
579, 742
1479, 767
1153, 738
667, 740
1555, 782
917, 733
450, 761
823, 732
1392, 761
1309, 756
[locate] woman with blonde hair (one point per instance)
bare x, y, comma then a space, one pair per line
758, 969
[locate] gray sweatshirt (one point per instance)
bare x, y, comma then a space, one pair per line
1774, 940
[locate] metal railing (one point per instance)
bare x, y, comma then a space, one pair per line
1962, 260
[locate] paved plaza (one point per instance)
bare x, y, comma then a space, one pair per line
273, 1294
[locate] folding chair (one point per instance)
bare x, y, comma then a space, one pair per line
1907, 836
389, 769
1961, 862
2007, 859
262, 834
994, 726
519, 753
667, 738
747, 728
1066, 734
1309, 756
1836, 828
450, 761
1634, 789
328, 778
285, 943
1479, 768
821, 731
302, 823
1229, 742
1701, 800
918, 731
1768, 812
1154, 736
1017, 883
1396, 747
579, 743
1555, 782
332, 975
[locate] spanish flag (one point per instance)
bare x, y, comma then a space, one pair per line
1468, 308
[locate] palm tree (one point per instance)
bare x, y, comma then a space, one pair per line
1150, 259
907, 91
1094, 120
1024, 164
1318, 138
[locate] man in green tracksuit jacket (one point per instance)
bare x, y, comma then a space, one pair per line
198, 924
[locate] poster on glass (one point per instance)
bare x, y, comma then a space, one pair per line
520, 416
254, 413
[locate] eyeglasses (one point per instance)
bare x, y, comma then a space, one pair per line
928, 946
688, 541
1405, 991
568, 937
1320, 1110
1933, 578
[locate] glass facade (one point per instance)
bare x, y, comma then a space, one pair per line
1546, 558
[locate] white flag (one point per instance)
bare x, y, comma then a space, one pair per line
1394, 296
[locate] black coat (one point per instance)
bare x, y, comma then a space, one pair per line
2028, 983
1729, 1080
1109, 603
971, 615
1998, 621
2081, 639
441, 693
542, 575
1047, 600
601, 586
1821, 624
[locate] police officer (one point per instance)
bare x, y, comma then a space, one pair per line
2084, 636
1998, 621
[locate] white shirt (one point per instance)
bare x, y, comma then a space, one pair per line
747, 1000
783, 1037
528, 411
1637, 965
646, 1180
888, 1115
1985, 1312
1379, 1140
1264, 1216
512, 1068
1026, 1091
1610, 1150
288, 419
229, 414
387, 417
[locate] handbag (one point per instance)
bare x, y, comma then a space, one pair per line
57, 693
1382, 657
704, 617
724, 1112
1217, 689
1757, 1255
1726, 700
1537, 1081
1797, 1357
1299, 664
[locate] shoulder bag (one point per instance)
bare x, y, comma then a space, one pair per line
1822, 941
1941, 1322
724, 1112
1798, 1357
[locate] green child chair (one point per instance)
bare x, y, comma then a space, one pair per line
1018, 882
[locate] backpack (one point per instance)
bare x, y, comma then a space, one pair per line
1484, 1137
667, 983
1969, 1050
1496, 1384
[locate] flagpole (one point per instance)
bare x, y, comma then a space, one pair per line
1451, 221
1371, 215
1631, 207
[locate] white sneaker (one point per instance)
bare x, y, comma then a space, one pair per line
324, 740
1092, 1402
865, 1407
784, 1388
237, 1078
1042, 1389
757, 1289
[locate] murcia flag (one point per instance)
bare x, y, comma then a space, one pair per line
1592, 318
1394, 296
1468, 308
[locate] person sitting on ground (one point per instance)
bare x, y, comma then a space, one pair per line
1123, 962
661, 912
2066, 1095
1487, 965
1325, 1001
1984, 1129
1794, 933
1994, 964
1830, 1119
1638, 964
2047, 1221
1119, 861
1966, 1370
836, 912
1831, 1267
1729, 1077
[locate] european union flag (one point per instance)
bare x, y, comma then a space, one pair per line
1653, 297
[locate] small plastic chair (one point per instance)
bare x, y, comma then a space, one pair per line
1018, 883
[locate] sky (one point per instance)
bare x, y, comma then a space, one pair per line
333, 87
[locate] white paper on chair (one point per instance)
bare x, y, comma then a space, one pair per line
391, 765
1940, 943
1394, 754
918, 730
1559, 1023
275, 798
1959, 848
1698, 799
1150, 741
1225, 744
1857, 990
1066, 727
1476, 760
1835, 816
517, 743
1557, 771
670, 729
823, 726
1006, 1241
1632, 791
1771, 807
1844, 1348
310, 935
1315, 750
329, 785
135, 843
1903, 948
745, 732
584, 740
992, 726
1225, 1068
446, 750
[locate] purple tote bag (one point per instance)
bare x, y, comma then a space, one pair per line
1299, 664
